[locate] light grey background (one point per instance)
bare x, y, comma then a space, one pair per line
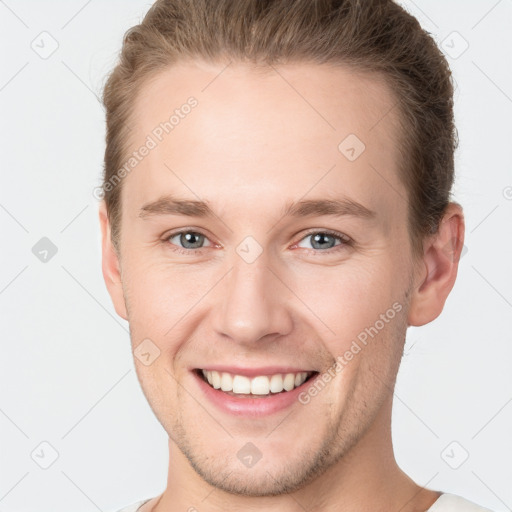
67, 376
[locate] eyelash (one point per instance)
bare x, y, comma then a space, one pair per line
346, 241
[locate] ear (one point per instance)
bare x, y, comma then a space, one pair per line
437, 270
110, 264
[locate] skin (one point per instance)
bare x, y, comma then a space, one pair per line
257, 140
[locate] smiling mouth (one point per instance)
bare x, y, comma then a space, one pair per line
260, 386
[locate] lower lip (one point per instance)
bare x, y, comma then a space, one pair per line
242, 406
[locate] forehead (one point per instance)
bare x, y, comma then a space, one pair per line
279, 131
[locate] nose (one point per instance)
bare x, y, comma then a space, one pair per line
253, 303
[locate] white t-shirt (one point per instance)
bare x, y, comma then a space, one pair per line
445, 503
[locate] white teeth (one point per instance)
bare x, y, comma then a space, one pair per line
260, 385
226, 382
216, 379
276, 383
299, 378
289, 381
241, 384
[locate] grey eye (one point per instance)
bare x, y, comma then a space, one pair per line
189, 239
321, 240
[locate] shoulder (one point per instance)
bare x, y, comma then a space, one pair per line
453, 503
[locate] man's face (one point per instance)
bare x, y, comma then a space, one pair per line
252, 288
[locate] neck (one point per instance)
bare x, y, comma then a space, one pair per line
366, 478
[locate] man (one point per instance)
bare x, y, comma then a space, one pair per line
277, 212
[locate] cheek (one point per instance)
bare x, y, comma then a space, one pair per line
349, 298
160, 293
165, 306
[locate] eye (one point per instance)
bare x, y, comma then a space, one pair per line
186, 241
323, 241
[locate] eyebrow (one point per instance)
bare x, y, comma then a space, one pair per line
170, 205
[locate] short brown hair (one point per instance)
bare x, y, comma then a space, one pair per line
371, 35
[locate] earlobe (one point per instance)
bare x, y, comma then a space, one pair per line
437, 271
110, 264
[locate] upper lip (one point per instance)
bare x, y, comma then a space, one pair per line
254, 372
